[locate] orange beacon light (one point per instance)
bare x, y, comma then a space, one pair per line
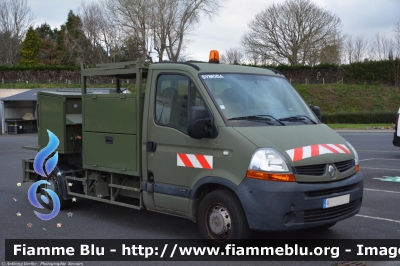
214, 57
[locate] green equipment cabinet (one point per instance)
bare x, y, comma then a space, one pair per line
100, 138
111, 135
61, 113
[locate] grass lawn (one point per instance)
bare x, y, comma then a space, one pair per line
361, 126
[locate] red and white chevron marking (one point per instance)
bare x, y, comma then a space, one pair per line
316, 150
195, 160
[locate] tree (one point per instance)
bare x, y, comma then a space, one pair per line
330, 54
73, 46
232, 56
133, 16
381, 47
291, 32
15, 18
162, 25
30, 48
397, 37
349, 49
104, 34
48, 47
356, 49
187, 16
45, 31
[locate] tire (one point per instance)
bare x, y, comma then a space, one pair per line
57, 187
221, 218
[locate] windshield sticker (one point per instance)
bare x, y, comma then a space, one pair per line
220, 103
301, 153
212, 76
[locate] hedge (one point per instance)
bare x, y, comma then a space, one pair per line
364, 117
39, 67
375, 72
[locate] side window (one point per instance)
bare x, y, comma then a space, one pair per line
175, 94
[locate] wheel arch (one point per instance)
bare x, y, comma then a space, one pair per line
207, 185
211, 183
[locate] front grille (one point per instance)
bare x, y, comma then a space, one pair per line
318, 169
330, 191
318, 215
345, 165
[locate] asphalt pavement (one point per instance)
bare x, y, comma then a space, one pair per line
379, 217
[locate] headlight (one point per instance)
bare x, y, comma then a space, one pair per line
268, 164
355, 156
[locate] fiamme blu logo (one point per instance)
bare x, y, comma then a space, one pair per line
43, 165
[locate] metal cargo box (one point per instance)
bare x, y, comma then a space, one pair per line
61, 113
112, 132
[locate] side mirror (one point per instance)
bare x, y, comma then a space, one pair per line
200, 124
317, 112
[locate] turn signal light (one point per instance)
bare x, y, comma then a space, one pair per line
214, 57
271, 177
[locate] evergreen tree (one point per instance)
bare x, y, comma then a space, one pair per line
45, 31
73, 47
48, 47
30, 48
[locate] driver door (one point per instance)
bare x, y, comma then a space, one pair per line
177, 161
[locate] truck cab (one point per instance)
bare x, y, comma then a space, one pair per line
233, 148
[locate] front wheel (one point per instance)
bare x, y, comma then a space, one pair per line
221, 217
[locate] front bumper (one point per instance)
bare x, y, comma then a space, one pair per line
272, 206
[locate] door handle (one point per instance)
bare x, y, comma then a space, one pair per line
151, 146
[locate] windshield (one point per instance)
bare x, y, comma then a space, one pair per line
258, 98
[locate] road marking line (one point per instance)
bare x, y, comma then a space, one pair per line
379, 159
380, 168
381, 190
378, 151
378, 218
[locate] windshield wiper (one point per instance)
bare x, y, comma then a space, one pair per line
297, 118
257, 117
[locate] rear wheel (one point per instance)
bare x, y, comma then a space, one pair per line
221, 218
55, 180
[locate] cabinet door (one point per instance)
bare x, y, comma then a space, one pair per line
51, 117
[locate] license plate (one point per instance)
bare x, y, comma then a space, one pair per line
336, 201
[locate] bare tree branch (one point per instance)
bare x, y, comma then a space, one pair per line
292, 32
232, 56
15, 19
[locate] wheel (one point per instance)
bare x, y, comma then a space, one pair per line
221, 218
55, 185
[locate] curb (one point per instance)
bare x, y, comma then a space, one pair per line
366, 130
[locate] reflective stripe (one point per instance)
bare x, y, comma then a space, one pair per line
316, 150
195, 161
185, 160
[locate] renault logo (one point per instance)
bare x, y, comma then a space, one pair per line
332, 171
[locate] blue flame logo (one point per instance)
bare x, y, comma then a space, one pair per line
44, 168
44, 153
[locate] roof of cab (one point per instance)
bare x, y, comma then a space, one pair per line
213, 68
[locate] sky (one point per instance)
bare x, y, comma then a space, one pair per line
363, 18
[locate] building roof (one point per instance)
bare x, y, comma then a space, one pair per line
31, 94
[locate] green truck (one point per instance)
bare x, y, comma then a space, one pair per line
233, 148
